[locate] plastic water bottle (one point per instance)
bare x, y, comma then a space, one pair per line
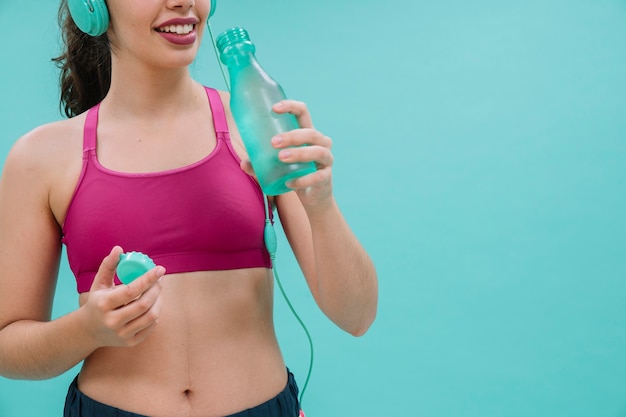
253, 92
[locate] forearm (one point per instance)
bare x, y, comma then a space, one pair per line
346, 277
41, 350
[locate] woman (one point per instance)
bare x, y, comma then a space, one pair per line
193, 336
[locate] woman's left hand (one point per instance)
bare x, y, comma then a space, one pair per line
314, 188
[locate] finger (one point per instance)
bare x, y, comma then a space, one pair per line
106, 272
123, 320
124, 294
300, 137
147, 320
298, 109
142, 335
317, 178
320, 155
140, 305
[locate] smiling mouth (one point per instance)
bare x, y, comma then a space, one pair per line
177, 29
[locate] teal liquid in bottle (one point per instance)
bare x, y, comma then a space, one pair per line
252, 94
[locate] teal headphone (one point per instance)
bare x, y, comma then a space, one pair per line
92, 16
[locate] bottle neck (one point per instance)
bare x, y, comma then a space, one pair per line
239, 59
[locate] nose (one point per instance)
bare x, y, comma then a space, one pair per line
178, 4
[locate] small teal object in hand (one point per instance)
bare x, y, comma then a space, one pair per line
132, 265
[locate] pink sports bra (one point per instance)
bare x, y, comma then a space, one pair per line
205, 216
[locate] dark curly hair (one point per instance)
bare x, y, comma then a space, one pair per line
85, 65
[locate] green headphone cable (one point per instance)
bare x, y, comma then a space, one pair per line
271, 243
217, 55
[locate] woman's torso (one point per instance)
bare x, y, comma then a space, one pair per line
214, 351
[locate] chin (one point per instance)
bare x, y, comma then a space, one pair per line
181, 61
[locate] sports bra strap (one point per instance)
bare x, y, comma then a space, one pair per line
217, 108
91, 129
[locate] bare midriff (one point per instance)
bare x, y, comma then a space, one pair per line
214, 351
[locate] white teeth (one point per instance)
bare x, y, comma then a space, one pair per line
178, 29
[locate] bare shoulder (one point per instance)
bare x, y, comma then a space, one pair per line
45, 161
225, 95
47, 147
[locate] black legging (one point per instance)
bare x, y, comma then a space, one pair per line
285, 404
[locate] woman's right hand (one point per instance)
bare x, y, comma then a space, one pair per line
123, 315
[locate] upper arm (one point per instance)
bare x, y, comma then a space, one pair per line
30, 240
295, 223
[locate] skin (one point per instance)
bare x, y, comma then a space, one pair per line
182, 344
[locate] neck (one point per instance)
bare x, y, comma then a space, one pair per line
143, 92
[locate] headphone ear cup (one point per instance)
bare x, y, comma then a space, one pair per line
91, 16
213, 5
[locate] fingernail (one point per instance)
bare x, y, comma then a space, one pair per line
160, 271
284, 154
277, 140
279, 106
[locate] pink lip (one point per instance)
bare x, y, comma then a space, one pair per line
179, 21
175, 38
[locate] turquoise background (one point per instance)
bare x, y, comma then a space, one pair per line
481, 159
